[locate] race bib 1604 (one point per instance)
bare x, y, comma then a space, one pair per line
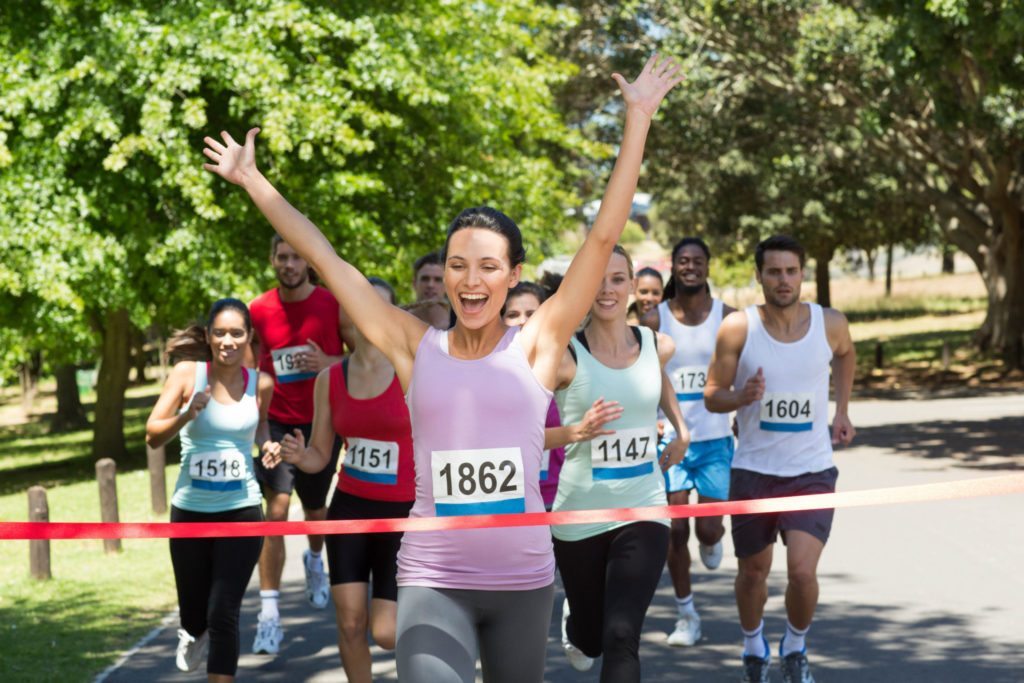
478, 482
787, 412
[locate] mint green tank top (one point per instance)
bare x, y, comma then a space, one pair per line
620, 470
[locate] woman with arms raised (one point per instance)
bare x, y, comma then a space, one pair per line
478, 395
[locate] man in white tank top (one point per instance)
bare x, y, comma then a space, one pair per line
771, 365
691, 317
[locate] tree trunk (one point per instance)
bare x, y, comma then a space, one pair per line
871, 259
888, 269
139, 355
28, 376
70, 413
1003, 329
111, 382
948, 259
822, 278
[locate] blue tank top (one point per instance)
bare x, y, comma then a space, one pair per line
216, 452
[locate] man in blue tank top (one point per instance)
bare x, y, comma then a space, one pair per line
771, 366
691, 317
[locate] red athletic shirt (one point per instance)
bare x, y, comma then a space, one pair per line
378, 462
283, 329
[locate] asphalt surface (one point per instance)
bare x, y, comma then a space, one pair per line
917, 592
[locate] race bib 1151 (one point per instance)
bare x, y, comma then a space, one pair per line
787, 412
478, 482
626, 453
372, 461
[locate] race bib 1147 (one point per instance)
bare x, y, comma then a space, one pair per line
286, 364
787, 412
372, 461
478, 482
217, 470
626, 453
689, 382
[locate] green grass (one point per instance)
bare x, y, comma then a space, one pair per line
898, 308
921, 347
72, 627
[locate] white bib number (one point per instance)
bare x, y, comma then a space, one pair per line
689, 381
625, 454
545, 465
372, 461
217, 470
286, 364
478, 482
787, 412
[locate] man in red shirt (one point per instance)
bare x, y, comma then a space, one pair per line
298, 326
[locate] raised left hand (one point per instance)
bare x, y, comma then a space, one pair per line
650, 87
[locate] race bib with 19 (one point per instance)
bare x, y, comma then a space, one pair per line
217, 470
478, 482
689, 382
625, 454
372, 461
286, 365
787, 412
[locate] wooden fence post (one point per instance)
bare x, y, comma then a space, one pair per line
106, 475
157, 460
946, 355
879, 355
39, 550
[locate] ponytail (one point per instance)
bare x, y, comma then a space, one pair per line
189, 344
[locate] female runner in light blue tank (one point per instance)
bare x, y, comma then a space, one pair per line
218, 407
610, 570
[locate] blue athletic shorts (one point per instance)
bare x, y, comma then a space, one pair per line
705, 466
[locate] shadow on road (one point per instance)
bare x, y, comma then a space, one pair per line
993, 444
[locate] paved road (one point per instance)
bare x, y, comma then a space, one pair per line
926, 592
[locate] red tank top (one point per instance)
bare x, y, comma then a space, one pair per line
378, 462
283, 330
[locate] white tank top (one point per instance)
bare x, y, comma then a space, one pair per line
688, 370
786, 433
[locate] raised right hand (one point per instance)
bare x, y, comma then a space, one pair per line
293, 446
753, 390
596, 417
198, 403
233, 162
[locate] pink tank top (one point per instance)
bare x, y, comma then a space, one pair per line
478, 440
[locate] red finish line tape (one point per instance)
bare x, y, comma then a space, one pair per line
970, 488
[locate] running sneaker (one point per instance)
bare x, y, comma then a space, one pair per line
755, 669
318, 588
711, 555
795, 668
269, 635
687, 631
577, 659
191, 651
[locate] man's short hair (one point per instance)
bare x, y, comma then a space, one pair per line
779, 243
431, 258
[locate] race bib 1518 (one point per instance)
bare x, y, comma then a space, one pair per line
217, 470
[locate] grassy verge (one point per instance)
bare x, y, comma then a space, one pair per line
75, 625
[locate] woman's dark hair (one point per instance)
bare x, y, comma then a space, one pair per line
779, 243
385, 285
522, 288
550, 282
670, 288
488, 218
647, 271
193, 342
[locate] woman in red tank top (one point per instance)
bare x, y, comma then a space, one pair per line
361, 400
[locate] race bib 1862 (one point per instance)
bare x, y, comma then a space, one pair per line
372, 461
626, 453
286, 365
689, 382
787, 412
218, 470
478, 482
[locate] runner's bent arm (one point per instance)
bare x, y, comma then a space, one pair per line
844, 365
165, 421
315, 455
264, 394
547, 332
719, 394
389, 328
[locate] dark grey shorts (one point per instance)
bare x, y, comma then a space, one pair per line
753, 533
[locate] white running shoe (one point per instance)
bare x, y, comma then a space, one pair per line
577, 659
191, 651
269, 635
318, 588
711, 555
687, 631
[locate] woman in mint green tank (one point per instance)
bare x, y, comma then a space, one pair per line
218, 408
610, 570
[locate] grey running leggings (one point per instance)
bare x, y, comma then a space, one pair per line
440, 631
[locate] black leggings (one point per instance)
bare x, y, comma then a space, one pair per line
211, 575
609, 581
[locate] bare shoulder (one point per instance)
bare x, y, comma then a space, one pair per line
666, 347
837, 328
651, 319
727, 309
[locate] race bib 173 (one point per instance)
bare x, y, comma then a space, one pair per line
478, 482
689, 382
217, 470
372, 461
787, 412
286, 365
626, 453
